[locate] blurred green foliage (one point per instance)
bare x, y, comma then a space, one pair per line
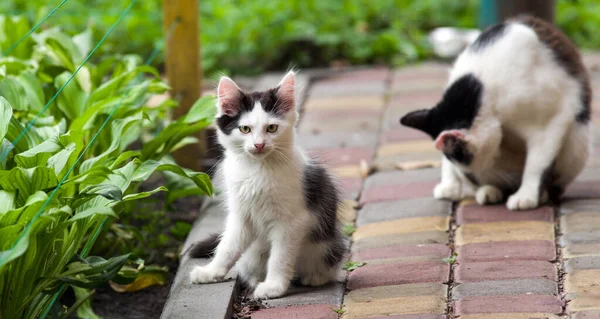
249, 36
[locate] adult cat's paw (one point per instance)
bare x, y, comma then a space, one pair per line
268, 290
451, 191
488, 194
523, 199
205, 274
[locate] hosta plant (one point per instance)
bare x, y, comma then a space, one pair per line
71, 166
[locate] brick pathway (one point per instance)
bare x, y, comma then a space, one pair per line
536, 264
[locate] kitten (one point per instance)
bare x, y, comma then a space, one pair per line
282, 206
514, 118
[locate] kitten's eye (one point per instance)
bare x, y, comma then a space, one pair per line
245, 129
272, 128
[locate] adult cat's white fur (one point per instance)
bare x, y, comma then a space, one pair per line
527, 125
268, 226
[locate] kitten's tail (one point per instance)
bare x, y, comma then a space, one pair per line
204, 248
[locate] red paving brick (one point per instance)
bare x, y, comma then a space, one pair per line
544, 250
434, 250
580, 190
403, 134
350, 186
485, 214
298, 312
508, 304
395, 192
499, 270
415, 316
334, 115
399, 273
343, 156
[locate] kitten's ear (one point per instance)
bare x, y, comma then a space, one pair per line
448, 140
228, 97
285, 92
416, 119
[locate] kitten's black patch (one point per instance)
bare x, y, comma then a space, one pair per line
548, 183
472, 178
204, 248
459, 152
584, 115
335, 252
322, 199
245, 103
488, 37
457, 109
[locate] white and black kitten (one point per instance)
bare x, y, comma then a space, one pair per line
514, 118
282, 206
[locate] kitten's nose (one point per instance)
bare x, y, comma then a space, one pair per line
259, 147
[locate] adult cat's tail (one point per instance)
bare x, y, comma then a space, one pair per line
204, 248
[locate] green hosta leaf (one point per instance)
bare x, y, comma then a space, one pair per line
353, 265
144, 171
13, 66
28, 181
120, 82
7, 201
83, 41
72, 100
95, 175
167, 139
92, 212
124, 157
5, 116
38, 155
12, 90
140, 195
93, 271
33, 90
83, 304
204, 109
19, 249
108, 191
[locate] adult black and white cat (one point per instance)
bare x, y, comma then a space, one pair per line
514, 118
282, 206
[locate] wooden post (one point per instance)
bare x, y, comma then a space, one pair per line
184, 71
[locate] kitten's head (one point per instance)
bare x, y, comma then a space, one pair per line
256, 123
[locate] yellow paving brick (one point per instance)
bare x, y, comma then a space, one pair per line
504, 231
512, 315
427, 237
399, 226
347, 171
395, 291
584, 301
419, 146
467, 202
583, 281
580, 250
412, 165
345, 103
396, 306
580, 222
347, 211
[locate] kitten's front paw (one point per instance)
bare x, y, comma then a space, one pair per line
205, 274
449, 191
488, 194
523, 199
267, 290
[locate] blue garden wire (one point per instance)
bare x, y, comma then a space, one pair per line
26, 35
10, 147
90, 243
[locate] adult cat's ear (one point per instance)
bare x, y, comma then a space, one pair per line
416, 119
228, 100
285, 93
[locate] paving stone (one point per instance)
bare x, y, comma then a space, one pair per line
419, 146
582, 190
297, 295
392, 162
583, 281
584, 301
512, 315
347, 211
342, 103
504, 231
325, 117
581, 250
347, 87
402, 134
407, 208
343, 156
508, 250
396, 306
337, 140
580, 222
402, 177
416, 238
424, 298
396, 274
350, 187
582, 263
589, 174
413, 316
506, 287
298, 312
580, 205
347, 171
400, 226
397, 192
503, 270
507, 304
589, 237
484, 214
367, 124
438, 251
426, 85
587, 314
